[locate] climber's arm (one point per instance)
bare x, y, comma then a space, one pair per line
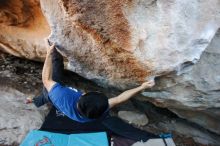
47, 69
128, 94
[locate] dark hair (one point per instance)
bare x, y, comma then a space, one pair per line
93, 105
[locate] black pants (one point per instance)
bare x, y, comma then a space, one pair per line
57, 76
112, 125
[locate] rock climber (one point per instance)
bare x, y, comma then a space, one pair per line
78, 106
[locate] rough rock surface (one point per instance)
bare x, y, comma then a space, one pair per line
195, 94
139, 119
16, 118
22, 28
122, 43
19, 79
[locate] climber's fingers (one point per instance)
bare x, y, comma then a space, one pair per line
148, 84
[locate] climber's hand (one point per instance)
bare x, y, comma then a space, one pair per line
148, 84
50, 49
50, 46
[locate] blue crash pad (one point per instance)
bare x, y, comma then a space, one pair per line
43, 138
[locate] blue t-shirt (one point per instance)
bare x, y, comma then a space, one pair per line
65, 99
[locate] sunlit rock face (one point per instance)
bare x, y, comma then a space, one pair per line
123, 43
22, 28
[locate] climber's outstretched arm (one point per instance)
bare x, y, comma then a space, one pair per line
128, 94
47, 68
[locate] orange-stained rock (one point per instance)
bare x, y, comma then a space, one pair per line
96, 38
123, 43
22, 29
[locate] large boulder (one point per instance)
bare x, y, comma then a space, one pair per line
123, 43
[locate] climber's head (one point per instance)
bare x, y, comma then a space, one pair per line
93, 105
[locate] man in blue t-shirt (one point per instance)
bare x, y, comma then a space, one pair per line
76, 105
